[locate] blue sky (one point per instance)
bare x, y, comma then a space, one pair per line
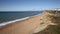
28, 5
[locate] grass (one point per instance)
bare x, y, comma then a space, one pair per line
55, 29
50, 30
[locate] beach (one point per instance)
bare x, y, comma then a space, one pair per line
44, 23
21, 27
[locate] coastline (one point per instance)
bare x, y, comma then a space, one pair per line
22, 27
9, 22
14, 21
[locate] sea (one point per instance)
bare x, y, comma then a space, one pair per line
6, 16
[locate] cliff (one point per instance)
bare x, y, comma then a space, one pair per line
50, 21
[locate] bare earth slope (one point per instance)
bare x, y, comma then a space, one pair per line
52, 23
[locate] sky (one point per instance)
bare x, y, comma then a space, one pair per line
28, 5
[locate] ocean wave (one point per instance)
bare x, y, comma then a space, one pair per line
5, 23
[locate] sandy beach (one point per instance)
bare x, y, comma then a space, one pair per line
21, 27
44, 23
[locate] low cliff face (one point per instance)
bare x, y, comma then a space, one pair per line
50, 18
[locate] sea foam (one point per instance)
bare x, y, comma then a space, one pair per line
5, 23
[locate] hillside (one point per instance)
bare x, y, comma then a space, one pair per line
50, 23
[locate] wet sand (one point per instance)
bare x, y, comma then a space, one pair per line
21, 27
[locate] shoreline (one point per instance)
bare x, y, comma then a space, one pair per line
14, 21
22, 27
